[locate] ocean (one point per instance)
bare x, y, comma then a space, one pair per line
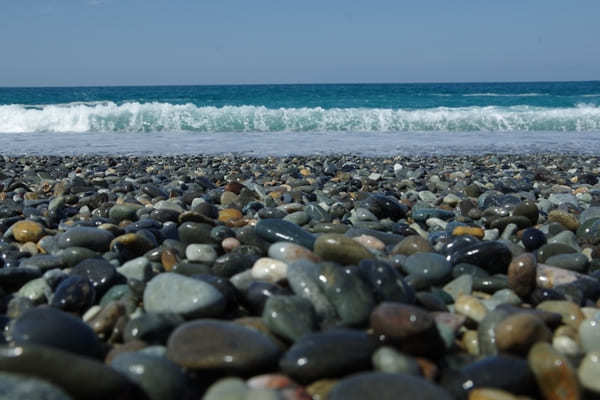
364, 119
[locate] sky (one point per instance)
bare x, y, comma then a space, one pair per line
161, 42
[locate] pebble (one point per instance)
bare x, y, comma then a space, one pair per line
554, 374
589, 371
221, 346
27, 231
191, 298
340, 248
431, 268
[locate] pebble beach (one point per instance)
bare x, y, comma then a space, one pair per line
333, 277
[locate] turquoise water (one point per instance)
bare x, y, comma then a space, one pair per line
455, 115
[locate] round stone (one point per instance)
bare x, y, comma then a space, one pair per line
192, 298
221, 346
203, 253
533, 239
27, 231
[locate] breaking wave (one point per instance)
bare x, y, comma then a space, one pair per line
167, 117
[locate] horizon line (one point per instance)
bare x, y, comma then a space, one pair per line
292, 84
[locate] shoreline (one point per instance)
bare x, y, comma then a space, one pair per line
346, 276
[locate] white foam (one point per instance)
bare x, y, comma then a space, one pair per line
166, 117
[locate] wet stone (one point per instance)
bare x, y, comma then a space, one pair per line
555, 376
213, 345
324, 355
191, 298
275, 230
522, 274
386, 386
290, 317
75, 294
83, 236
432, 267
493, 256
157, 376
27, 231
340, 248
99, 272
51, 327
16, 386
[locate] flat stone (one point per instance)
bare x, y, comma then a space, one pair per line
54, 328
555, 376
212, 345
76, 375
173, 293
572, 261
411, 245
385, 386
341, 249
88, 237
325, 354
125, 211
276, 230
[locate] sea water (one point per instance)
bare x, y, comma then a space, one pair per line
366, 119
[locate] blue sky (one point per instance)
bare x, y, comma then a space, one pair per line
137, 42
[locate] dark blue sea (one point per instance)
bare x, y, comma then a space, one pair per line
367, 119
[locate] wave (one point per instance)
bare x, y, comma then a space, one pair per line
166, 117
505, 94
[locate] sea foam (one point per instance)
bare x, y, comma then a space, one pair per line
167, 117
